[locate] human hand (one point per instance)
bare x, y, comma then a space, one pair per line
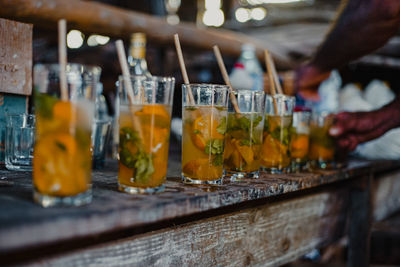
353, 128
307, 80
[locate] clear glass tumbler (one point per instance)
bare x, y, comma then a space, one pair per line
244, 135
20, 139
322, 147
101, 130
300, 139
62, 163
277, 133
144, 130
204, 127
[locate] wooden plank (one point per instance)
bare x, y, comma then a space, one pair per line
15, 57
386, 198
100, 18
360, 222
27, 225
270, 235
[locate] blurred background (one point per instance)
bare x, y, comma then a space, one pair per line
292, 28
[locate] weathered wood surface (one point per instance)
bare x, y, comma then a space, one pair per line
269, 235
360, 222
15, 57
100, 18
25, 224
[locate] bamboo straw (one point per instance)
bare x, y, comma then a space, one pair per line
128, 85
271, 79
62, 58
224, 73
183, 68
275, 74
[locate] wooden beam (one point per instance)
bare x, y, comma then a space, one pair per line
269, 235
104, 19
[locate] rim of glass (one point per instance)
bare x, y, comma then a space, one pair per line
207, 86
281, 97
148, 79
55, 66
248, 91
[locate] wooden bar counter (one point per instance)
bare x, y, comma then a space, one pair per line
267, 221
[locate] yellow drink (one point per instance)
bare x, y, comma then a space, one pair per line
276, 142
62, 158
243, 143
143, 153
203, 142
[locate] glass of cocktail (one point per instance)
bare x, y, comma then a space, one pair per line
277, 133
322, 147
62, 159
244, 134
300, 139
204, 125
144, 129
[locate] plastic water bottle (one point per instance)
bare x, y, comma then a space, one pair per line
250, 62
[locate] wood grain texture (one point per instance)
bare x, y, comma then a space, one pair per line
15, 57
25, 224
386, 197
269, 235
104, 19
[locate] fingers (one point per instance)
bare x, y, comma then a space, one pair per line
349, 142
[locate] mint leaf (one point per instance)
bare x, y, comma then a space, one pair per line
127, 134
245, 142
214, 147
218, 160
143, 165
44, 104
221, 128
196, 131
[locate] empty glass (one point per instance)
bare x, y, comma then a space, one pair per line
20, 139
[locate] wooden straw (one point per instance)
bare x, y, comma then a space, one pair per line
275, 74
271, 79
128, 85
183, 68
62, 58
221, 65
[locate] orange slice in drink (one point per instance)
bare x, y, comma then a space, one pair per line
300, 146
204, 129
246, 152
64, 111
201, 169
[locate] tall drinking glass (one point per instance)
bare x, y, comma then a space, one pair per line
62, 160
322, 149
277, 133
144, 129
204, 127
244, 134
300, 139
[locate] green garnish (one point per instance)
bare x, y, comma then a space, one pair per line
44, 104
141, 162
191, 108
214, 147
218, 160
196, 131
221, 128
